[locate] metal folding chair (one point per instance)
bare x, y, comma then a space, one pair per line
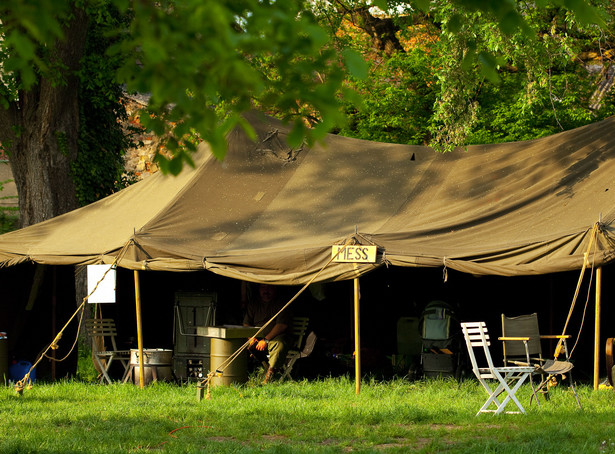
476, 336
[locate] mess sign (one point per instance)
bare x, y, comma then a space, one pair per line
354, 254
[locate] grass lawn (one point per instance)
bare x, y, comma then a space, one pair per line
324, 416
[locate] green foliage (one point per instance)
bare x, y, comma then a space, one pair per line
9, 220
504, 116
98, 169
25, 25
86, 372
481, 48
397, 100
191, 57
205, 61
470, 75
194, 55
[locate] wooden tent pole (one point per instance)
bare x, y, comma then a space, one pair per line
357, 336
54, 315
139, 329
597, 327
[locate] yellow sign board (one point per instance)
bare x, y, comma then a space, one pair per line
354, 254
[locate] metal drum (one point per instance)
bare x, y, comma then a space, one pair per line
157, 363
237, 370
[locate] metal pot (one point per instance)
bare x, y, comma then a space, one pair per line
157, 364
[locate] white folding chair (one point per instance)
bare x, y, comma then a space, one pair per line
476, 336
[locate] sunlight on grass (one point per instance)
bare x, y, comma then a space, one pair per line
307, 416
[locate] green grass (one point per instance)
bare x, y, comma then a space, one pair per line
324, 416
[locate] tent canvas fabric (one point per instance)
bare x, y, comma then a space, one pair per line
271, 213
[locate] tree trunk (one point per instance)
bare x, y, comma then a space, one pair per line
382, 30
45, 132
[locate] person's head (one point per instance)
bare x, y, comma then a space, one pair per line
266, 292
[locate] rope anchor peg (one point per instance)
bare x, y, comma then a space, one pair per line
205, 384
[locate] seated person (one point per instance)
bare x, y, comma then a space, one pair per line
274, 338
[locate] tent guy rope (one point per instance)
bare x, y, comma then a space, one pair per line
25, 381
593, 236
220, 370
589, 287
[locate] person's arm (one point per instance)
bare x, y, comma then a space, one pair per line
278, 328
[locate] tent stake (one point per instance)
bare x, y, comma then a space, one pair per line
139, 329
597, 327
357, 336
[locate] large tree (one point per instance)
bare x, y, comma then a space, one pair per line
203, 62
39, 121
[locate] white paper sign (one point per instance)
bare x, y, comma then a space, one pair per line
105, 292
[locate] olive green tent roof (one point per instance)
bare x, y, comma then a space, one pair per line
269, 213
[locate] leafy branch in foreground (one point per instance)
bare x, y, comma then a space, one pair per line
195, 55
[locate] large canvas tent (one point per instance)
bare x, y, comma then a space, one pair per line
270, 213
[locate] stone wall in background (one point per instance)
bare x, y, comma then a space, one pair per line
139, 160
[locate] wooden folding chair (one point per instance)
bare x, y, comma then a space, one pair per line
297, 349
521, 344
297, 330
99, 330
294, 355
476, 336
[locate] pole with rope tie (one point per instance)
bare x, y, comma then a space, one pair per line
25, 381
597, 327
560, 343
139, 330
357, 334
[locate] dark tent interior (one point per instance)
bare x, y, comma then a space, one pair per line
32, 314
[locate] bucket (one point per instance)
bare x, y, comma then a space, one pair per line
19, 369
237, 370
157, 364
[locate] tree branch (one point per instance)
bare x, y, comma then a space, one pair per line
382, 30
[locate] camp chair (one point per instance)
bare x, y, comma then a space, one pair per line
521, 344
476, 336
297, 331
98, 330
440, 340
294, 355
